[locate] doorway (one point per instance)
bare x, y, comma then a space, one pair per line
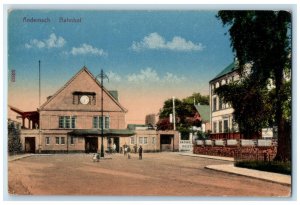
91, 144
29, 144
167, 142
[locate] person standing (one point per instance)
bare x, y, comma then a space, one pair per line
140, 152
125, 150
114, 148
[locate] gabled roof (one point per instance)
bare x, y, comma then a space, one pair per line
203, 110
84, 69
230, 68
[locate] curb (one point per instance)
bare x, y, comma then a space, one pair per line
230, 159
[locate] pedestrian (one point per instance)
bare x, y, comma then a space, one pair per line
128, 151
125, 150
114, 148
135, 148
140, 152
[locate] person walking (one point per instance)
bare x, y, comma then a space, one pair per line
140, 152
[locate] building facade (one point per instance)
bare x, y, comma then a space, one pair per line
153, 140
70, 120
222, 118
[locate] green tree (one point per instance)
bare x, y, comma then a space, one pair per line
197, 98
252, 105
14, 143
263, 39
184, 112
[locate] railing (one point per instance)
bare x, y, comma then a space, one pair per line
239, 149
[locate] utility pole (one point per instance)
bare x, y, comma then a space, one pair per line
174, 119
39, 106
102, 75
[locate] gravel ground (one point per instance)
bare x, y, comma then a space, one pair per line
158, 174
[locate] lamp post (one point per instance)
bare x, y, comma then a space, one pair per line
102, 75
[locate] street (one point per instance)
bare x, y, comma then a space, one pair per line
157, 174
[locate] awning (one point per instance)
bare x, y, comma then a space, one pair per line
106, 132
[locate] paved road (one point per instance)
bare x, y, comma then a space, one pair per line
158, 174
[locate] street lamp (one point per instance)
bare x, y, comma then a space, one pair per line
102, 75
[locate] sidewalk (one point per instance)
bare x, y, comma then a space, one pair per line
207, 156
267, 176
230, 168
18, 156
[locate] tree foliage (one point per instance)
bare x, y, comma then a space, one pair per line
252, 105
263, 39
14, 143
184, 112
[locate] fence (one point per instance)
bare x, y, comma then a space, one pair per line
240, 149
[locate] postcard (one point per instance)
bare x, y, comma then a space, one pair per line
115, 103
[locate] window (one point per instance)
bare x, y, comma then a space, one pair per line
215, 127
141, 140
226, 128
106, 122
62, 140
145, 140
61, 122
132, 140
153, 140
220, 127
72, 140
57, 140
67, 122
97, 122
214, 104
47, 140
220, 103
73, 122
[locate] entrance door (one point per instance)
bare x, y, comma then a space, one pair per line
117, 142
91, 144
29, 144
167, 142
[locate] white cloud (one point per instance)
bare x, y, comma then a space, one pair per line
145, 75
113, 76
52, 42
149, 75
171, 78
85, 49
155, 41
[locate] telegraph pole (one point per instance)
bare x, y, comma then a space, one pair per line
102, 75
39, 106
174, 119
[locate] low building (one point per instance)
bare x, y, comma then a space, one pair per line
153, 140
71, 119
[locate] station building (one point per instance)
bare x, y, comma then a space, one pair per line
70, 120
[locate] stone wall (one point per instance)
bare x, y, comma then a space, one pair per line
238, 152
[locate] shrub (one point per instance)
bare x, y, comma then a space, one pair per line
272, 166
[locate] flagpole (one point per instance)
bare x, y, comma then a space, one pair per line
39, 106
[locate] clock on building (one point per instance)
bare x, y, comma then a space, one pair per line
84, 99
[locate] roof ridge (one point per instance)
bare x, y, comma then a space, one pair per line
84, 68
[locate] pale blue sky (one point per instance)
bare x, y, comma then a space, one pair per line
164, 53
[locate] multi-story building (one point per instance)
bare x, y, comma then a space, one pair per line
70, 120
222, 118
